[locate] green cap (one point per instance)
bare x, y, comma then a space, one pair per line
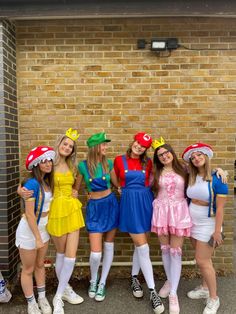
96, 139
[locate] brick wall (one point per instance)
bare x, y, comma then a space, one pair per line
89, 75
9, 151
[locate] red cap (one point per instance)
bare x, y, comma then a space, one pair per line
38, 154
144, 139
198, 147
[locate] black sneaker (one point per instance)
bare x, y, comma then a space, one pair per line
136, 287
157, 304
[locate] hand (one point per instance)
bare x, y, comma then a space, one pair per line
24, 193
39, 244
223, 174
217, 238
119, 190
75, 193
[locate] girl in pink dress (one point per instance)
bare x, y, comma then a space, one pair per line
171, 220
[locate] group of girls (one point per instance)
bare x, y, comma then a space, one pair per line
136, 177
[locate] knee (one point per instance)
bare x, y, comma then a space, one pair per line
202, 262
39, 265
176, 252
95, 256
28, 270
165, 248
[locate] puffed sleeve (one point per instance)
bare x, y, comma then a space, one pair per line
32, 184
221, 189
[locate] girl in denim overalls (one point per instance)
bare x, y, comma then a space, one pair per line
134, 170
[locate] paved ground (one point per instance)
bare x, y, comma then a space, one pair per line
119, 299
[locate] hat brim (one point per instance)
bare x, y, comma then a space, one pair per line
205, 150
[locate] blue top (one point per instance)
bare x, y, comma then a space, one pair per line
216, 187
99, 173
38, 194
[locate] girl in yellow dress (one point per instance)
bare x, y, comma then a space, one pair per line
65, 218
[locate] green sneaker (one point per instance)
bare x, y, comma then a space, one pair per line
92, 289
101, 293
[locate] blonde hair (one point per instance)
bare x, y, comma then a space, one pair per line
93, 159
71, 159
193, 171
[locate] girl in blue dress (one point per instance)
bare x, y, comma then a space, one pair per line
133, 171
102, 211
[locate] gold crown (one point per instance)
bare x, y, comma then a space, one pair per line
158, 143
72, 134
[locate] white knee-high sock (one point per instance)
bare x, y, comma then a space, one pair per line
146, 265
175, 269
59, 263
108, 253
165, 249
94, 262
135, 263
66, 272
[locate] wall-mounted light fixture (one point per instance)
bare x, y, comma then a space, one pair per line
159, 44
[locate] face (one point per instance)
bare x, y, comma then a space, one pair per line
66, 147
165, 156
137, 149
198, 159
103, 148
45, 166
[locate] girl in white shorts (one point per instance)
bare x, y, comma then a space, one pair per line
31, 234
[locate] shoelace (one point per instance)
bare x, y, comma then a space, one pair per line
70, 290
93, 286
156, 301
35, 308
173, 299
44, 302
135, 284
100, 289
59, 303
211, 303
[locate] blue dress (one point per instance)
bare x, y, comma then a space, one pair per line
101, 214
136, 202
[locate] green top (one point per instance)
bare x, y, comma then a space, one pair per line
98, 173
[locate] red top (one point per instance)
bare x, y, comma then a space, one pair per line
133, 164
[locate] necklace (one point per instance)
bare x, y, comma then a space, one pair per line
166, 169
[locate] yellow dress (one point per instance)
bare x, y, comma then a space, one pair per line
65, 215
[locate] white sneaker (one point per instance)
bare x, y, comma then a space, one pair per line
33, 308
212, 306
198, 293
58, 305
44, 306
70, 296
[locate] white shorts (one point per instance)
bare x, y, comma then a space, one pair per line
24, 236
203, 226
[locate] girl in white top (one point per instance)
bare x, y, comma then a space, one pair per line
31, 234
208, 197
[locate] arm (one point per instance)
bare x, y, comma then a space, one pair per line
220, 203
24, 192
114, 179
32, 221
78, 182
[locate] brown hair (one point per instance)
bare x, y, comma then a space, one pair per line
143, 158
93, 159
193, 171
177, 166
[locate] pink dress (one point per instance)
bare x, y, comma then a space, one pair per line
170, 208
